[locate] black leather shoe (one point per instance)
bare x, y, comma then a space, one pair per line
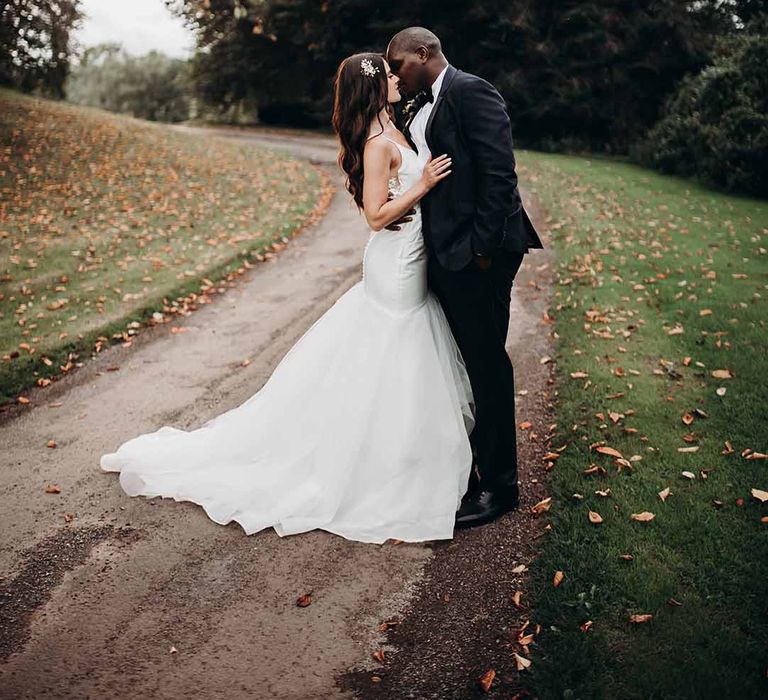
485, 505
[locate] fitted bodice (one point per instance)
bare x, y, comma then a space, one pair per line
408, 172
394, 263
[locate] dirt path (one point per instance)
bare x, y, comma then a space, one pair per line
139, 598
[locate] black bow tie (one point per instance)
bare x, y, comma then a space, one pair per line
422, 98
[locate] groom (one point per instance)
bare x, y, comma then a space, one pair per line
476, 231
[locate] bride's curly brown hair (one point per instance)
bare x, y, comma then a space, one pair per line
358, 100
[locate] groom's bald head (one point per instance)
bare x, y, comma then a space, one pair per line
410, 39
416, 56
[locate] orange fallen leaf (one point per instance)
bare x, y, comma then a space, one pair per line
525, 425
756, 455
609, 451
687, 418
637, 619
558, 578
378, 655
486, 680
586, 626
542, 506
51, 444
304, 600
595, 518
53, 488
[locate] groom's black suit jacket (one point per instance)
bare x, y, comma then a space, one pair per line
477, 209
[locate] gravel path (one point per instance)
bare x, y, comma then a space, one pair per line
104, 596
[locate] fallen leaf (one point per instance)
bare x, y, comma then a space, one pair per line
52, 488
664, 493
689, 475
761, 496
542, 506
609, 451
487, 679
637, 619
687, 418
595, 518
558, 578
304, 600
722, 374
521, 663
586, 626
378, 655
756, 455
643, 517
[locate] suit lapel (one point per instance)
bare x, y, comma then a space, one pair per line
450, 74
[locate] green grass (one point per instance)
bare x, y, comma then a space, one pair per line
660, 282
106, 219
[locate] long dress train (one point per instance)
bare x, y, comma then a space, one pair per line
361, 430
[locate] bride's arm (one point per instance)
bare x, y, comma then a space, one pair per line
376, 165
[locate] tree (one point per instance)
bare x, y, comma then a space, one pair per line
715, 127
581, 73
152, 87
36, 43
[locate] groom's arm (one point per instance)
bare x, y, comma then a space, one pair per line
488, 133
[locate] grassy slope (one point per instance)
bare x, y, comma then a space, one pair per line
661, 282
102, 217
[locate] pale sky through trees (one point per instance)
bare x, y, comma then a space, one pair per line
139, 25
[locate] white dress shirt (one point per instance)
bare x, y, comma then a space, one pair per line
418, 126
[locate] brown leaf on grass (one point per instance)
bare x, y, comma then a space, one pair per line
525, 425
761, 496
304, 600
687, 418
688, 449
643, 517
595, 518
585, 627
639, 619
756, 455
378, 655
664, 493
558, 578
53, 488
626, 557
485, 681
579, 375
722, 374
689, 475
516, 598
615, 417
605, 450
675, 603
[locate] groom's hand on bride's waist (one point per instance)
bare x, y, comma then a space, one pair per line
404, 219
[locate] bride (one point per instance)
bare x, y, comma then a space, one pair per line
362, 429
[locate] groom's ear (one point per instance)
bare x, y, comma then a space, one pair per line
423, 53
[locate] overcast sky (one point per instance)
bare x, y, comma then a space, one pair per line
139, 25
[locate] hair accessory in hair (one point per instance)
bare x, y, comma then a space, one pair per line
367, 67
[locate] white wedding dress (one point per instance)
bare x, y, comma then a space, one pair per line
362, 429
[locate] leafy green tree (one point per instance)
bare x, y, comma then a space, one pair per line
153, 86
577, 73
715, 127
36, 43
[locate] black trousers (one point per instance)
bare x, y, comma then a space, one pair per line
476, 304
